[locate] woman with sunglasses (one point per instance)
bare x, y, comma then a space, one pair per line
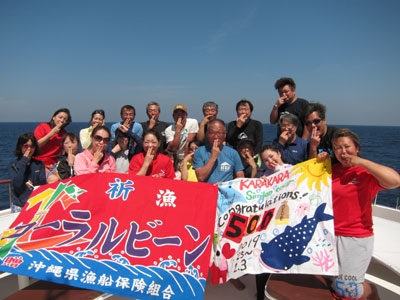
150, 162
98, 118
25, 172
355, 183
95, 159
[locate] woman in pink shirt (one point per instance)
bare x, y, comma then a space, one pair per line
95, 159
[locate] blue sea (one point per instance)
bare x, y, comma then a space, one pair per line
380, 144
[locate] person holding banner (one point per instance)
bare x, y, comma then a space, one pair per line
95, 159
215, 162
149, 162
355, 183
272, 159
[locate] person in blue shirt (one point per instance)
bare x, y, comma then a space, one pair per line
292, 147
215, 162
25, 172
131, 128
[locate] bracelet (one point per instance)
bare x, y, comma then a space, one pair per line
275, 106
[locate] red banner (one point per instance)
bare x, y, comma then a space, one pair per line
133, 236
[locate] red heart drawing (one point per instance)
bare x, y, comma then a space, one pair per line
227, 251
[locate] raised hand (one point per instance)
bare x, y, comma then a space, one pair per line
215, 151
315, 138
98, 155
71, 157
178, 125
152, 122
241, 120
284, 137
149, 156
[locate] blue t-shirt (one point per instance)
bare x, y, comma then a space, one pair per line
293, 153
227, 164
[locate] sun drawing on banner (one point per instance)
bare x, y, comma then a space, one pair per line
313, 172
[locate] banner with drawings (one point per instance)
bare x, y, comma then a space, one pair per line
283, 223
132, 236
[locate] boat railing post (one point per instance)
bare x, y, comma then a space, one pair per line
23, 282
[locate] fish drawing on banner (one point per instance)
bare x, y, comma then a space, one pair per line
286, 249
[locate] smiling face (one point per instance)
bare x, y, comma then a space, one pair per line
128, 115
315, 121
61, 119
216, 131
150, 141
288, 93
286, 125
271, 159
97, 119
343, 146
100, 140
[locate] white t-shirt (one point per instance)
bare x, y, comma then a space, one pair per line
191, 126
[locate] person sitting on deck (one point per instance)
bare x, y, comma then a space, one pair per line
149, 162
292, 147
26, 172
96, 159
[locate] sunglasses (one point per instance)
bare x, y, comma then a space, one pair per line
315, 122
98, 139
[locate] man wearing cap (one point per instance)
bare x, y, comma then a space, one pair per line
180, 134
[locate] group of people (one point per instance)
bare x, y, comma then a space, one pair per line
212, 152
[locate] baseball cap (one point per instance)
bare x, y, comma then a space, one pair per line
180, 107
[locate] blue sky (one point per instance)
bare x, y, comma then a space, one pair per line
86, 55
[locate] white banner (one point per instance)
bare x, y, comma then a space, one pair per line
281, 224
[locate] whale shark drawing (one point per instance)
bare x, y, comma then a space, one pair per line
285, 250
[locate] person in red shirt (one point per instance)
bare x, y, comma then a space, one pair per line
355, 183
150, 162
49, 136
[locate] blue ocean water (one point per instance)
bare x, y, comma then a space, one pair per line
380, 144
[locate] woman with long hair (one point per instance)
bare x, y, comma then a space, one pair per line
98, 119
49, 137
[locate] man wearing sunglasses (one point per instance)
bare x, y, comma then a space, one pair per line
288, 102
320, 142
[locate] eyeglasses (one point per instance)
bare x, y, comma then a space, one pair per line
315, 122
99, 138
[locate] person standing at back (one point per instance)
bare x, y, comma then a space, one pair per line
180, 134
153, 112
288, 102
244, 127
210, 112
